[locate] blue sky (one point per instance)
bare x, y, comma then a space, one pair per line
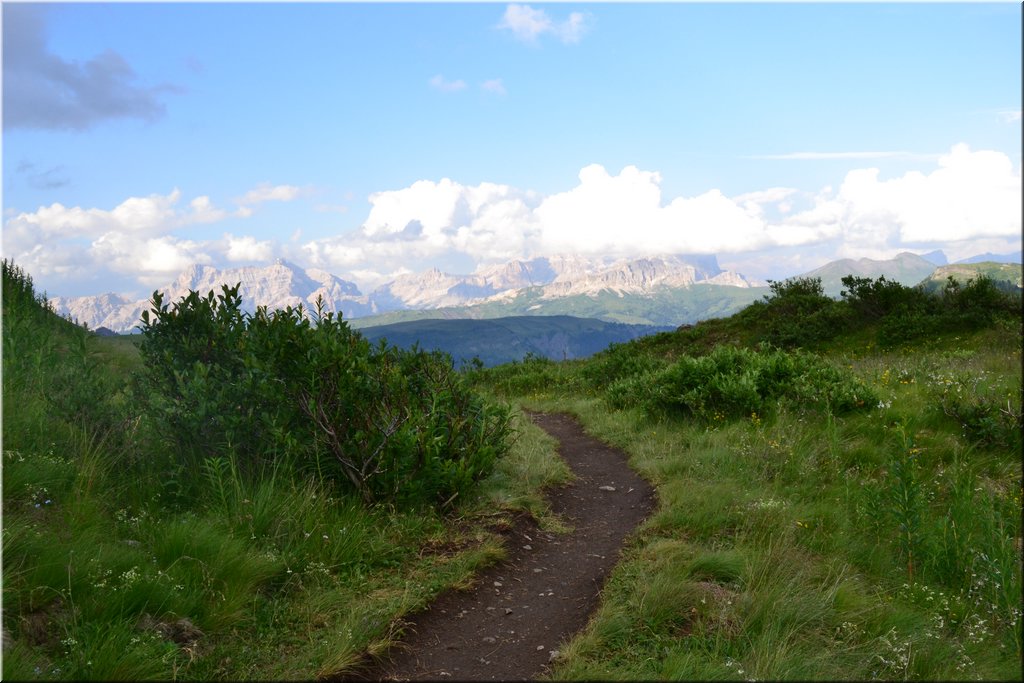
375, 139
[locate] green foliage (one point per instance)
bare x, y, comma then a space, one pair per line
989, 415
47, 358
978, 303
617, 362
533, 375
733, 382
391, 424
875, 299
799, 314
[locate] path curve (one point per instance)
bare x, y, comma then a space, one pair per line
520, 612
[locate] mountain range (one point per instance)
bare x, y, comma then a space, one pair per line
546, 280
665, 290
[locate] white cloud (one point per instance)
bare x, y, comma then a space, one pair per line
265, 192
439, 83
970, 195
430, 220
203, 211
151, 260
528, 24
247, 249
140, 215
135, 237
495, 86
967, 202
525, 22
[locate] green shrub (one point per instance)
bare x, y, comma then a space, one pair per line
736, 382
534, 374
389, 424
978, 303
616, 362
797, 313
875, 299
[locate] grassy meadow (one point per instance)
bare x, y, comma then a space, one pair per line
839, 497
795, 542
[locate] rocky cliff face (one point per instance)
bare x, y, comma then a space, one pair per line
558, 276
276, 286
285, 284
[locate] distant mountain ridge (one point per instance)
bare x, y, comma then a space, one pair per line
1011, 257
906, 268
658, 290
286, 284
275, 286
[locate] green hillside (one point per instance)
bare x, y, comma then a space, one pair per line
838, 484
666, 306
1008, 276
839, 487
503, 340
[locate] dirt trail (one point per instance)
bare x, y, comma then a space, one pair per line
511, 624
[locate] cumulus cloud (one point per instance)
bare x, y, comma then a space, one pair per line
247, 249
152, 260
42, 90
969, 196
439, 83
967, 202
132, 238
528, 24
432, 219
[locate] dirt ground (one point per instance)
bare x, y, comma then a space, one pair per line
511, 624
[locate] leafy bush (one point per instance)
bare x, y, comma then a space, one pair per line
389, 424
875, 299
978, 303
534, 374
616, 362
797, 313
735, 382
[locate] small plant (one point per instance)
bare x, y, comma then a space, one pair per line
904, 489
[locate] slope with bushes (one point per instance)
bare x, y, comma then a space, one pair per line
257, 497
839, 487
245, 497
